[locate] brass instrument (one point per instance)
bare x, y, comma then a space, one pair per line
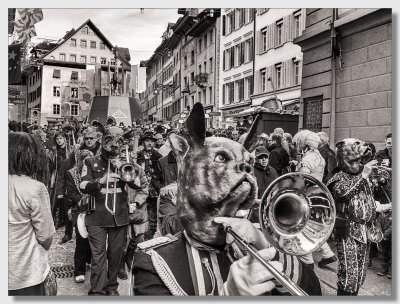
297, 216
128, 170
114, 191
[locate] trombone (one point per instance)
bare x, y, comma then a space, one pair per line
297, 216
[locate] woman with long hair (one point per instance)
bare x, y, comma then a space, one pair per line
30, 224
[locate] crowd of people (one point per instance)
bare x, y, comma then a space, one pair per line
63, 174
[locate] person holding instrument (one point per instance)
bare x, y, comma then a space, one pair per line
107, 224
215, 180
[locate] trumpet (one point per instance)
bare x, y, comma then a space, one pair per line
297, 216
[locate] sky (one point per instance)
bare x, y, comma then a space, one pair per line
141, 33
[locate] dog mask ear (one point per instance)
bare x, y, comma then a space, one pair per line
179, 146
196, 126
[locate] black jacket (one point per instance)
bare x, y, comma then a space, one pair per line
152, 169
169, 169
330, 162
265, 176
383, 154
278, 158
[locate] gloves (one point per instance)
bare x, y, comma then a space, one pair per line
246, 230
248, 277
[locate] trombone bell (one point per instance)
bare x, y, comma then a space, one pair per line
128, 172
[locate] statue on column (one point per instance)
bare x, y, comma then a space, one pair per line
115, 81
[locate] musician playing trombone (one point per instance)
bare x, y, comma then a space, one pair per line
107, 223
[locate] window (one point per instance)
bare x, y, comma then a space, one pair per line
185, 61
204, 96
263, 80
84, 30
56, 91
83, 59
103, 60
205, 41
192, 78
74, 110
210, 94
296, 66
278, 75
73, 42
62, 57
279, 26
56, 109
74, 92
192, 100
83, 43
112, 61
249, 50
249, 87
102, 46
74, 75
57, 74
205, 66
211, 64
240, 89
297, 25
211, 36
231, 18
199, 96
72, 58
200, 45
92, 59
231, 92
199, 68
313, 113
192, 59
92, 44
264, 39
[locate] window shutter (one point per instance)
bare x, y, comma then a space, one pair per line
269, 74
67, 92
223, 25
258, 39
232, 56
270, 42
286, 28
303, 20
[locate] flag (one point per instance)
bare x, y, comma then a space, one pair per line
11, 17
14, 63
31, 15
24, 30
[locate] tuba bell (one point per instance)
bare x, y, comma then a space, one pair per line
128, 171
297, 213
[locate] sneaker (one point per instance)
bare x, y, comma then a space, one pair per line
80, 279
323, 262
389, 273
369, 266
382, 272
112, 293
122, 273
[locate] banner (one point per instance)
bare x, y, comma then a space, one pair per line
14, 63
11, 18
30, 15
24, 31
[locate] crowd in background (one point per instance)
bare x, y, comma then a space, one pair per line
46, 164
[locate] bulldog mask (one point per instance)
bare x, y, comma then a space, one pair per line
215, 179
352, 154
111, 143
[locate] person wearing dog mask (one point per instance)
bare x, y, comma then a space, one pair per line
215, 180
106, 225
355, 210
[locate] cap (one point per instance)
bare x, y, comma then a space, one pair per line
148, 135
261, 151
263, 135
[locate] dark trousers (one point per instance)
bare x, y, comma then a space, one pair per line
387, 253
152, 214
37, 290
106, 257
82, 254
69, 228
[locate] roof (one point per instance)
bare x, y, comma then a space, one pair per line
124, 54
45, 46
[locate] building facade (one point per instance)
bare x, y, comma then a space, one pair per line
76, 68
236, 62
346, 80
277, 61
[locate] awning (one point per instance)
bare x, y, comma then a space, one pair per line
74, 75
57, 73
259, 109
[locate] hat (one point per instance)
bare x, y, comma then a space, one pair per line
148, 135
158, 136
263, 135
89, 132
279, 131
80, 223
261, 151
113, 131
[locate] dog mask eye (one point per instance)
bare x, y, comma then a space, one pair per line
220, 159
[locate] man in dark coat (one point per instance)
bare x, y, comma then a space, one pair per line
278, 157
148, 159
328, 155
107, 224
386, 154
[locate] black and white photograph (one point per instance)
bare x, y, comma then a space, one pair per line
200, 152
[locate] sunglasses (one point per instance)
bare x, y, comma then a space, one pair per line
88, 138
262, 157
